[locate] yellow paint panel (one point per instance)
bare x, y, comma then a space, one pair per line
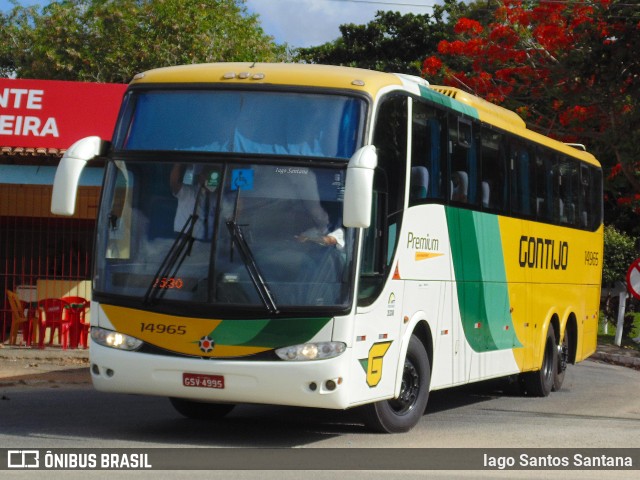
551, 271
161, 330
178, 334
275, 74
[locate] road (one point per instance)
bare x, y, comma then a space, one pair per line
598, 407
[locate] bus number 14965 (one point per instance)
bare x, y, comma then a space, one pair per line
162, 328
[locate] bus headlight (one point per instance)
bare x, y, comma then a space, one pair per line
109, 338
311, 351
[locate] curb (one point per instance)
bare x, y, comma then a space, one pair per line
624, 360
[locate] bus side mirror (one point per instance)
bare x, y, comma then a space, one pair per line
65, 183
358, 189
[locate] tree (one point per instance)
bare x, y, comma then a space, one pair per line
570, 69
112, 40
392, 42
619, 253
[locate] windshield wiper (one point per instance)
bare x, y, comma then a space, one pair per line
252, 267
180, 249
249, 260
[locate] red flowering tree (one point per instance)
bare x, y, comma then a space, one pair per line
570, 69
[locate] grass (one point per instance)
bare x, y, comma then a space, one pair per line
609, 338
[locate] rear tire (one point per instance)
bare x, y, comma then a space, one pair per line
403, 413
540, 382
201, 410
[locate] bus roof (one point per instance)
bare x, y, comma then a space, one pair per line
356, 79
294, 74
508, 120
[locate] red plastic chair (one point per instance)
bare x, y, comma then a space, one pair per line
79, 328
53, 314
19, 320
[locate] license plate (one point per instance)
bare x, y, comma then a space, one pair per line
202, 380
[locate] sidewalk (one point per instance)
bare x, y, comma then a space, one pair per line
75, 357
52, 353
32, 365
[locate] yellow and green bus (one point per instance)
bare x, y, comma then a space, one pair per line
332, 237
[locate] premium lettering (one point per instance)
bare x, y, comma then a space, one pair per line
422, 243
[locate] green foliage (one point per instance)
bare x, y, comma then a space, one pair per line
392, 42
112, 40
619, 252
570, 69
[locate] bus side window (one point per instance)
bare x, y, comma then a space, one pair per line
522, 180
426, 168
569, 185
586, 196
593, 199
545, 187
463, 164
493, 187
381, 238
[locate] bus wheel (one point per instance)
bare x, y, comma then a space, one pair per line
200, 410
563, 361
540, 382
403, 413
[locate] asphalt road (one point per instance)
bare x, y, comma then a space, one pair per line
598, 407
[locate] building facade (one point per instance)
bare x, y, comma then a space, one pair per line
43, 255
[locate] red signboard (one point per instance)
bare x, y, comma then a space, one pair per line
54, 114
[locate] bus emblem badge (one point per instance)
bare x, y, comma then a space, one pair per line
206, 344
373, 364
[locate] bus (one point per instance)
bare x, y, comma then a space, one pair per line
331, 237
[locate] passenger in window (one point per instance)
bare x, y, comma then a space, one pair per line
460, 182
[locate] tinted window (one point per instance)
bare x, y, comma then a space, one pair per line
426, 168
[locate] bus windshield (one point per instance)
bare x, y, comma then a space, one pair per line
263, 236
281, 123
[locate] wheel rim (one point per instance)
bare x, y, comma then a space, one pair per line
563, 354
409, 390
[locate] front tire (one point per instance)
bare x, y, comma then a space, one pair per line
201, 410
403, 413
540, 382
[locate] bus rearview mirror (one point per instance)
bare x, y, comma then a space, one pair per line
67, 178
358, 190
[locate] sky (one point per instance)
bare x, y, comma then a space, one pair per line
306, 23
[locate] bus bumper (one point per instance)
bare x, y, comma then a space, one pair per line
320, 383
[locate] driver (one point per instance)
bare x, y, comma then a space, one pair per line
195, 187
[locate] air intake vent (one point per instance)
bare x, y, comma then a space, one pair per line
449, 92
488, 109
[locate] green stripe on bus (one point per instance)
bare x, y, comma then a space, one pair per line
481, 281
448, 102
267, 333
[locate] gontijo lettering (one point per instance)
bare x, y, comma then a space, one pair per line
536, 252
